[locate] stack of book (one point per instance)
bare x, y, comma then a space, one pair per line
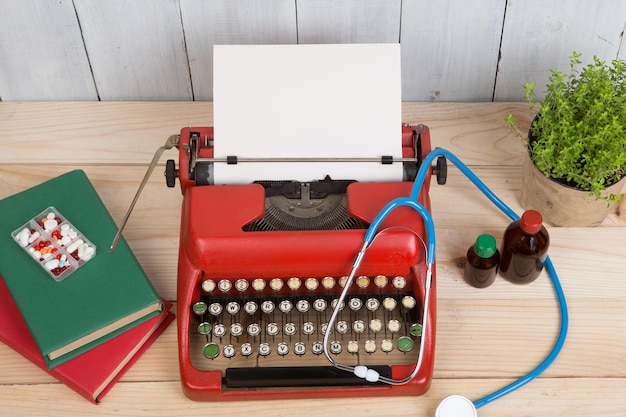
88, 328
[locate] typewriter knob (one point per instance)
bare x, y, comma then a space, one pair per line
170, 173
441, 170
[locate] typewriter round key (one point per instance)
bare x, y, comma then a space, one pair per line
250, 307
404, 344
333, 304
285, 306
290, 329
320, 305
303, 306
381, 281
265, 349
236, 329
211, 350
343, 281
386, 345
267, 306
232, 308
416, 329
229, 351
372, 304
199, 308
353, 347
254, 329
363, 281
204, 328
355, 304
335, 347
224, 285
219, 330
358, 326
282, 348
258, 284
328, 282
317, 348
376, 325
311, 284
299, 348
215, 309
241, 285
370, 346
398, 282
276, 284
246, 349
272, 329
393, 326
408, 302
342, 327
308, 328
324, 328
294, 283
208, 285
389, 304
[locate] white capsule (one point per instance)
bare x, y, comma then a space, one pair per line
50, 265
33, 237
81, 250
23, 237
89, 252
72, 248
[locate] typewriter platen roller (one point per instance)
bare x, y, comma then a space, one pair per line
261, 266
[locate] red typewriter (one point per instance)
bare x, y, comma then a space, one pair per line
260, 269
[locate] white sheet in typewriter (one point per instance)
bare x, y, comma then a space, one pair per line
307, 101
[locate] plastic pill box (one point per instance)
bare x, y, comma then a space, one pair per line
54, 243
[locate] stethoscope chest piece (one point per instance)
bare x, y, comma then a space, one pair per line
456, 406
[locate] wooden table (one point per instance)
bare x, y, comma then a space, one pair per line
486, 337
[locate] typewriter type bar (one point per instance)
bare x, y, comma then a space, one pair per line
254, 290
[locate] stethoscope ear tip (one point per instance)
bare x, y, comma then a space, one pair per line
456, 406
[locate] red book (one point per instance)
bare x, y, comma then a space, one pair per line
93, 373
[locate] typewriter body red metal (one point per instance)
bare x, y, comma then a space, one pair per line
261, 266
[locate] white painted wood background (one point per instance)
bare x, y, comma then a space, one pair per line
452, 50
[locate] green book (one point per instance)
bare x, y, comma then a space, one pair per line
100, 299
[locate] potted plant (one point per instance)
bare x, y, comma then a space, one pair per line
576, 144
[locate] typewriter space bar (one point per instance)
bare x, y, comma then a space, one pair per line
296, 376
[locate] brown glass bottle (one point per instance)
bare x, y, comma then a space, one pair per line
524, 248
482, 262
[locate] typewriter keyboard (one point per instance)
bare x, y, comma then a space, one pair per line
281, 322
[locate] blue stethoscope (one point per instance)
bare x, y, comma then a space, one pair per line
454, 405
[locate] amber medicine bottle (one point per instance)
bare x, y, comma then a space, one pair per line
481, 266
524, 248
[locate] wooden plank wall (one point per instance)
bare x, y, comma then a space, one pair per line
452, 50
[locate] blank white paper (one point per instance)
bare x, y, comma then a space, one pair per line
306, 101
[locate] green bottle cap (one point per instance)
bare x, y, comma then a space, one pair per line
485, 246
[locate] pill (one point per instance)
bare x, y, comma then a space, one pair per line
65, 240
81, 250
33, 237
50, 224
51, 215
72, 248
23, 237
51, 264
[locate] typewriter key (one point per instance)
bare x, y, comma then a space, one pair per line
335, 347
211, 350
232, 308
376, 325
215, 309
204, 328
353, 347
308, 328
328, 282
299, 348
408, 302
404, 344
267, 306
342, 327
381, 281
355, 304
370, 346
290, 329
258, 284
246, 349
236, 329
229, 351
363, 281
285, 306
324, 328
358, 326
372, 304
294, 283
320, 305
398, 282
333, 304
250, 307
389, 304
282, 348
276, 284
199, 308
303, 306
386, 345
311, 284
265, 349
272, 329
393, 326
241, 285
254, 329
416, 329
224, 285
343, 281
219, 330
208, 285
317, 348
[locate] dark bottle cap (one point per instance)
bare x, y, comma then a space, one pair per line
531, 221
485, 246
